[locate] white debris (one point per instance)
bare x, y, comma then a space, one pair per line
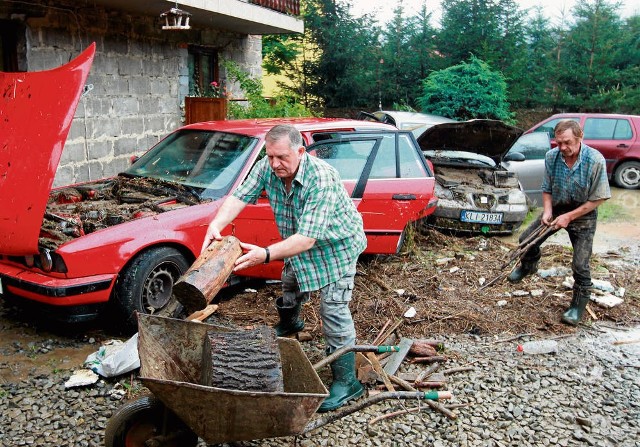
443, 261
536, 292
410, 313
482, 280
554, 271
81, 377
603, 285
598, 286
520, 293
400, 292
501, 303
454, 269
250, 291
606, 300
620, 292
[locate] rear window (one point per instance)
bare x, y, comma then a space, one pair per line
607, 129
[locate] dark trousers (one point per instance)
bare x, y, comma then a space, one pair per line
581, 232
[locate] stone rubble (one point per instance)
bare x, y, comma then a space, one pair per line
588, 394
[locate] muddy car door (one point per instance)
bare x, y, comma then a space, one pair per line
388, 179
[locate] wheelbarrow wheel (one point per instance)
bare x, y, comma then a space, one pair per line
144, 419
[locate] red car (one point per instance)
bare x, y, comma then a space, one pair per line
617, 137
124, 241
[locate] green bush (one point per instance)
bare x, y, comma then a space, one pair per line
257, 106
466, 91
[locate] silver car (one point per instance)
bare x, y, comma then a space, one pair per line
526, 159
476, 193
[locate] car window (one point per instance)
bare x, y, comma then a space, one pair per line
410, 160
533, 146
607, 129
202, 159
550, 125
348, 157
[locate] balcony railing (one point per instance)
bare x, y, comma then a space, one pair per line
291, 7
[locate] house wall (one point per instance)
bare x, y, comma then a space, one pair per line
137, 84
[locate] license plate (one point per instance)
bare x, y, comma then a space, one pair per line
480, 217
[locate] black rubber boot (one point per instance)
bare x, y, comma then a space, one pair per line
290, 321
522, 270
579, 302
345, 385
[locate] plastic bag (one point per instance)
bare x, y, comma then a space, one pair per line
115, 358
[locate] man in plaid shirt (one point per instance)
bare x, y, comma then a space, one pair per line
322, 236
574, 185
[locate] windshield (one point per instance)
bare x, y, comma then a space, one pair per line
207, 161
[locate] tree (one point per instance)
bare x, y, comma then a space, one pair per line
343, 70
465, 91
589, 58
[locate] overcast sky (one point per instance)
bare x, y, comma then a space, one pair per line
552, 8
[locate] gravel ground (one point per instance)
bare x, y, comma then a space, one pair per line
586, 394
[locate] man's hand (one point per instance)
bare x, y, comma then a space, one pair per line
547, 217
253, 255
562, 221
213, 233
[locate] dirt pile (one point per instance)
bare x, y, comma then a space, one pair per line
440, 277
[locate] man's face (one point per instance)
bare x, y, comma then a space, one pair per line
283, 160
568, 143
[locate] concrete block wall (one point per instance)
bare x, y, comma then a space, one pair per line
137, 84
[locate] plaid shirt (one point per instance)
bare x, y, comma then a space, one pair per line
585, 181
318, 207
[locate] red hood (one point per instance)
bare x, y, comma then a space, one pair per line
36, 110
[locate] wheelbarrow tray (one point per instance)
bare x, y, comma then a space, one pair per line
170, 352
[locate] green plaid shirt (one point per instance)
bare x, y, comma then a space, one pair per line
318, 207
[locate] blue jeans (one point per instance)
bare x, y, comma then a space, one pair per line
337, 323
581, 232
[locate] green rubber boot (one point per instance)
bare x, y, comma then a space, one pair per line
522, 270
345, 385
579, 302
290, 321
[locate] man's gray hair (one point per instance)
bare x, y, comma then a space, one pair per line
571, 125
285, 130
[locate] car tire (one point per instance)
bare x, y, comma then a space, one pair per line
141, 420
627, 175
145, 285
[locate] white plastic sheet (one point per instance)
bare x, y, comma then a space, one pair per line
115, 358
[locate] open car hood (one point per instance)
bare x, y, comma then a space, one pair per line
492, 138
36, 111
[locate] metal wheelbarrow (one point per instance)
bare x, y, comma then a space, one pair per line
181, 410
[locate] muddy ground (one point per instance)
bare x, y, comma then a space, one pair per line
438, 275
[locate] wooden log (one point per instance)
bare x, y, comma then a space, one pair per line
206, 276
200, 315
242, 360
421, 349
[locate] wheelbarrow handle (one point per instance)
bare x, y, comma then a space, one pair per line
355, 348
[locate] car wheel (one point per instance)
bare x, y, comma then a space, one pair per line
628, 175
146, 285
146, 421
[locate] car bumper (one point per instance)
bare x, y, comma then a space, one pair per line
28, 285
449, 219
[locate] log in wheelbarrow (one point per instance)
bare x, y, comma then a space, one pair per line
180, 410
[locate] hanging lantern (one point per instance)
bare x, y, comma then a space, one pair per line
176, 19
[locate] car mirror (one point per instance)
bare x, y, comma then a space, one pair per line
515, 156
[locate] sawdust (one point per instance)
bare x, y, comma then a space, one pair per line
439, 276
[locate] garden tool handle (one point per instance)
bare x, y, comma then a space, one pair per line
355, 348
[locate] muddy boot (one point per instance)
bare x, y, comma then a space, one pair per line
522, 270
579, 302
345, 385
290, 321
